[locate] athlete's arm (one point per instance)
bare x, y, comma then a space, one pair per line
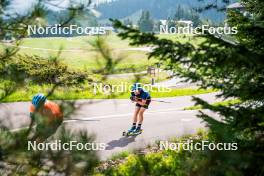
142, 103
31, 115
132, 98
32, 118
143, 99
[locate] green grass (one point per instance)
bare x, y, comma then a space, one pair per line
82, 42
183, 38
86, 91
89, 59
217, 104
84, 57
71, 93
158, 161
120, 155
78, 53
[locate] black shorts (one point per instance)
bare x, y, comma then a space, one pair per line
144, 106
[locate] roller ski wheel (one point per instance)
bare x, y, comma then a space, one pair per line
137, 133
133, 133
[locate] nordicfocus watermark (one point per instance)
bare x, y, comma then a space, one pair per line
199, 30
57, 29
71, 145
122, 87
201, 146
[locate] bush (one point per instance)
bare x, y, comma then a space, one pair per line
17, 159
42, 71
176, 162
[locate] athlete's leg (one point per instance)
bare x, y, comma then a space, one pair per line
140, 120
136, 112
141, 115
135, 117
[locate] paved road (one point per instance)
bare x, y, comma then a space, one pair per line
126, 75
176, 82
108, 118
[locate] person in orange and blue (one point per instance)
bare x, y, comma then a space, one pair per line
47, 115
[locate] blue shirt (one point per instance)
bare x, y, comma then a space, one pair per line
143, 95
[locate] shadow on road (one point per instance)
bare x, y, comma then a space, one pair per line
122, 142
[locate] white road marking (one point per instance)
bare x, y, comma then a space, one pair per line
125, 115
186, 120
120, 116
18, 129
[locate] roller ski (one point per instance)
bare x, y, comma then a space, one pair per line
132, 132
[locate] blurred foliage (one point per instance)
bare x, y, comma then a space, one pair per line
235, 67
17, 159
44, 71
164, 162
53, 78
18, 71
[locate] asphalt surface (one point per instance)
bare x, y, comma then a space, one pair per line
109, 118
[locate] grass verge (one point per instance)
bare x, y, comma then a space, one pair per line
157, 160
75, 93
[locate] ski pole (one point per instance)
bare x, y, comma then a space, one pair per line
161, 101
